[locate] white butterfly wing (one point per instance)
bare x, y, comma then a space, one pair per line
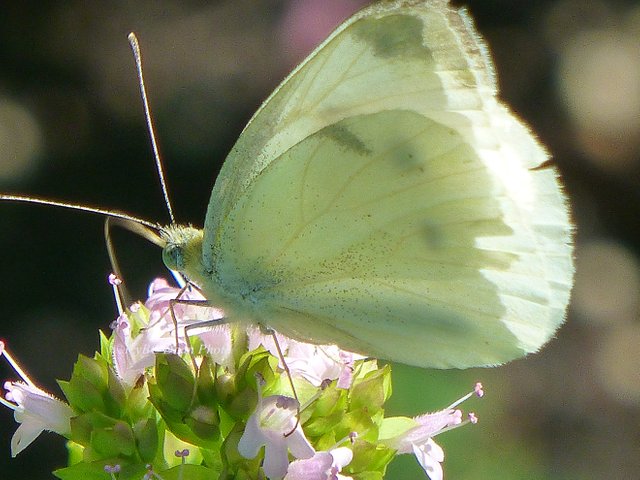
382, 199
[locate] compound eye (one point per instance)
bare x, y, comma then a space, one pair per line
173, 257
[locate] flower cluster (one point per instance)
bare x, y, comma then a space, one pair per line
177, 393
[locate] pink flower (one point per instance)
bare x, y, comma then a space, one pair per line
143, 331
427, 426
257, 337
315, 363
34, 409
215, 336
272, 425
322, 466
418, 437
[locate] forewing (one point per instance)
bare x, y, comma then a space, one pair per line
389, 56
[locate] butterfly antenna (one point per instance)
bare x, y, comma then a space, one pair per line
144, 228
135, 47
83, 208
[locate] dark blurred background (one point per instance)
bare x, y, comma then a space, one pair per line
72, 128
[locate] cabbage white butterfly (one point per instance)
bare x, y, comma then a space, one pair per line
384, 200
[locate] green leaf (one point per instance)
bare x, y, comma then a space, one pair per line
115, 389
82, 426
92, 370
394, 426
137, 403
106, 345
331, 400
82, 395
114, 441
138, 319
189, 472
359, 421
175, 381
206, 388
204, 422
75, 452
197, 430
94, 386
95, 471
372, 391
145, 432
368, 458
225, 388
258, 362
81, 429
368, 476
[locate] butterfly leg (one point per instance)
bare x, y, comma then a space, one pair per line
272, 333
187, 328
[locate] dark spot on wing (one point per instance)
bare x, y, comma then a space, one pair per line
391, 36
433, 236
407, 156
346, 138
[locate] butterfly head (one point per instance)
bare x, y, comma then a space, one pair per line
183, 247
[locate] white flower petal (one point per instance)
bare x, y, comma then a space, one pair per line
322, 466
252, 438
26, 433
342, 457
429, 456
276, 460
218, 342
36, 411
314, 468
299, 445
428, 426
